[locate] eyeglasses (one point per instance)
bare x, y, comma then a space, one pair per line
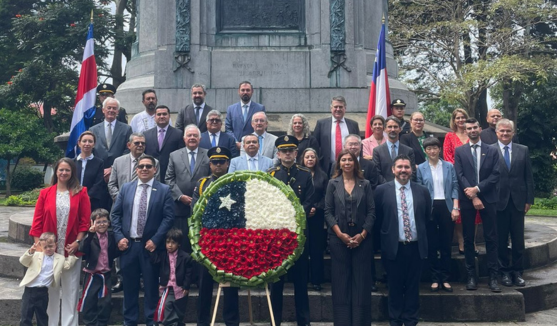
145, 166
217, 162
214, 120
137, 143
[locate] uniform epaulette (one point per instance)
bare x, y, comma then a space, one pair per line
201, 183
303, 168
273, 170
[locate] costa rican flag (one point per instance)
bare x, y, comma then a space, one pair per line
379, 96
86, 94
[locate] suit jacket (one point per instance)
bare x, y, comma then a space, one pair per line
335, 205
370, 172
322, 133
489, 173
181, 180
235, 124
122, 173
34, 264
240, 163
91, 248
412, 141
450, 182
269, 150
225, 140
44, 219
518, 182
160, 214
386, 195
183, 269
120, 136
186, 116
93, 178
384, 162
173, 141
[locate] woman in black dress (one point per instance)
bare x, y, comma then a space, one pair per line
90, 171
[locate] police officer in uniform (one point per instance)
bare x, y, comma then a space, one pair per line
397, 109
105, 91
300, 180
219, 160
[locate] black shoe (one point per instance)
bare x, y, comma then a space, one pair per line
435, 289
118, 287
518, 280
446, 288
317, 287
506, 280
374, 288
476, 252
472, 284
493, 286
460, 252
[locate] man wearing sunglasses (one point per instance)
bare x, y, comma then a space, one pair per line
219, 160
214, 137
141, 216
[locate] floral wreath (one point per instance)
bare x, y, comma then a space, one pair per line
247, 228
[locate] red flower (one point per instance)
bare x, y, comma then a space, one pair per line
18, 16
72, 25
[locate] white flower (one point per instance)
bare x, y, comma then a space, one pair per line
267, 207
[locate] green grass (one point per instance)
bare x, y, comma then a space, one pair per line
542, 212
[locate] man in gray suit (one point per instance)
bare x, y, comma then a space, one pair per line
516, 195
250, 159
195, 113
267, 147
185, 167
124, 167
112, 136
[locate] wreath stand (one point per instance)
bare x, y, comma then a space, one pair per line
250, 310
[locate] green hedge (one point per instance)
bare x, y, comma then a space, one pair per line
545, 203
26, 178
24, 199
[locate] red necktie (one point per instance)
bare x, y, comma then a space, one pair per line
338, 140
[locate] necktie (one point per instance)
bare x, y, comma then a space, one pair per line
213, 140
260, 144
161, 138
251, 164
142, 213
134, 172
338, 140
393, 151
507, 157
245, 112
109, 135
475, 157
405, 216
192, 162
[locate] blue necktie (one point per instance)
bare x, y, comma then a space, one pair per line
507, 157
245, 112
475, 157
251, 164
192, 162
213, 141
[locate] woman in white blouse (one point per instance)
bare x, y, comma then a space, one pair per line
440, 179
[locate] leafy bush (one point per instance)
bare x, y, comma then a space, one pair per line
26, 178
23, 199
545, 203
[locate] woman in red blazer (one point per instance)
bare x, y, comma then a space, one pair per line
64, 209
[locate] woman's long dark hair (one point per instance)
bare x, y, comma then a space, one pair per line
316, 167
357, 172
73, 184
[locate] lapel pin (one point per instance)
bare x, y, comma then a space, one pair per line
154, 189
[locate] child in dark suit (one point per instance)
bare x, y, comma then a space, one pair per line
174, 280
99, 249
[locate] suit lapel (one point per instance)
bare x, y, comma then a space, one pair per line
153, 199
482, 155
515, 156
339, 186
327, 132
102, 134
358, 191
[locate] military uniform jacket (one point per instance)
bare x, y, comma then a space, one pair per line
200, 188
300, 180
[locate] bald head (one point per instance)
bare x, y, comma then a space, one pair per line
493, 116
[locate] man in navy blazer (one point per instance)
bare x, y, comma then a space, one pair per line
141, 216
172, 139
403, 239
238, 115
325, 133
383, 154
213, 136
250, 159
478, 178
516, 195
195, 113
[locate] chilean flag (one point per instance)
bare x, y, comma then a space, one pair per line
379, 96
86, 95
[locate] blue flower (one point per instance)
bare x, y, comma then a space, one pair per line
215, 217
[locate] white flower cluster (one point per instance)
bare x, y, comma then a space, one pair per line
267, 207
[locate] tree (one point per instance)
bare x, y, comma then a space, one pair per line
457, 50
122, 39
438, 112
23, 135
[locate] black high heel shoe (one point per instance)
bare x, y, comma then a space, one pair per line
445, 288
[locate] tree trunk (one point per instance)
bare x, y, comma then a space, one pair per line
47, 116
8, 179
119, 44
512, 91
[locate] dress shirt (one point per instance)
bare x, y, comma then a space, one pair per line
217, 137
343, 130
478, 159
46, 276
136, 199
144, 121
255, 162
102, 260
84, 164
502, 147
410, 206
178, 291
390, 144
437, 175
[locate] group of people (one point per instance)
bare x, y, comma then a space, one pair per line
398, 192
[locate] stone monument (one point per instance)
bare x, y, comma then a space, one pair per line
298, 54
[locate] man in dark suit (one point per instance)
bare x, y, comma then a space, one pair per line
330, 132
112, 136
516, 195
195, 113
163, 139
214, 137
405, 207
141, 216
238, 116
185, 167
383, 155
489, 135
477, 171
